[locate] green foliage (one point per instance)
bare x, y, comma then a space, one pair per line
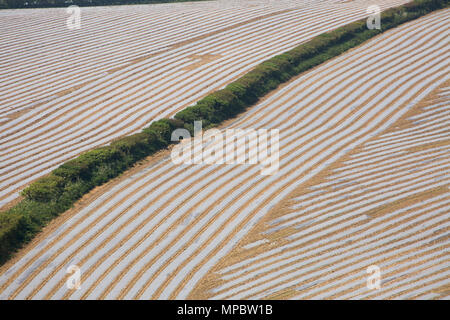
45, 189
57, 192
161, 130
12, 232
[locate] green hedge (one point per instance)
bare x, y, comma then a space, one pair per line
57, 192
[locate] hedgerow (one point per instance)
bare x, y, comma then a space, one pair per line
49, 196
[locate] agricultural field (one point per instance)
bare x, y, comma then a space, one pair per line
64, 92
386, 203
364, 155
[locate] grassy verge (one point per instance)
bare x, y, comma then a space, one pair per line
51, 195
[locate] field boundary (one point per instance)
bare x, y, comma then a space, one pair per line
57, 192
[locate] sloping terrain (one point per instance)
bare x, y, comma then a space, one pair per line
64, 91
386, 204
164, 230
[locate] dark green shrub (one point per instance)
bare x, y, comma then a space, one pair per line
45, 189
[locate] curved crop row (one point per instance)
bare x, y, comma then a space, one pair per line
388, 205
157, 234
129, 99
52, 195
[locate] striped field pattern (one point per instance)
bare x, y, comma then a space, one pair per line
64, 91
388, 204
363, 179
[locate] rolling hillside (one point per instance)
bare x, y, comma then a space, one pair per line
363, 179
63, 92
